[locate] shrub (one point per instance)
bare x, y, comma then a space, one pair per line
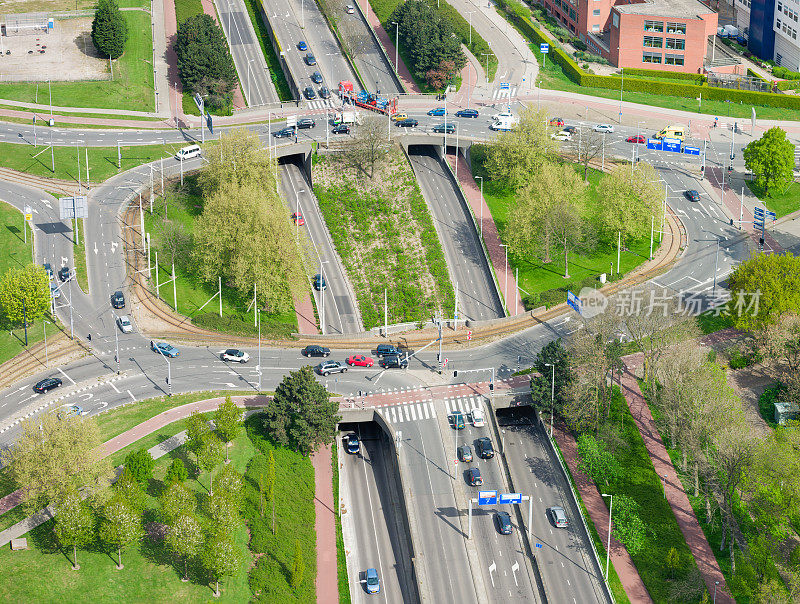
767, 400
587, 56
140, 464
580, 45
784, 73
739, 359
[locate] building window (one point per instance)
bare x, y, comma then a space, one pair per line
778, 24
651, 57
615, 19
653, 41
780, 7
596, 12
572, 14
595, 27
676, 43
654, 26
778, 59
676, 28
673, 59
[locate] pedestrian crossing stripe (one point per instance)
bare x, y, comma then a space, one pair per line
417, 410
320, 104
504, 94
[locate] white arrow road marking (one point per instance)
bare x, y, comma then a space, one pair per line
86, 396
113, 246
103, 404
95, 248
514, 569
492, 568
64, 261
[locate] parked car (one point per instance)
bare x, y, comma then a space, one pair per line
314, 350
474, 477
503, 521
692, 195
467, 113
371, 581
359, 360
393, 362
570, 129
465, 453
399, 116
298, 218
505, 114
558, 516
457, 420
47, 384
328, 367
409, 122
639, 138
603, 128
353, 446
484, 447
384, 349
437, 111
448, 128
124, 324
316, 77
309, 93
319, 283
284, 132
310, 60
477, 417
324, 93
118, 299
164, 349
305, 123
341, 129
350, 9
64, 273
302, 46
556, 121
235, 355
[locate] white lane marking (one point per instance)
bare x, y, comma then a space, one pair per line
66, 376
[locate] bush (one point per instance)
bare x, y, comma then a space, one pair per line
784, 73
140, 464
580, 45
766, 402
675, 75
739, 359
587, 56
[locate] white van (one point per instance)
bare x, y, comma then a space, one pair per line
188, 152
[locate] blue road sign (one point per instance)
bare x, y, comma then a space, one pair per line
691, 150
544, 48
487, 497
672, 144
510, 498
771, 215
758, 212
504, 85
654, 143
210, 123
574, 302
538, 545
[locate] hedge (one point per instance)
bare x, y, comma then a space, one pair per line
789, 85
675, 75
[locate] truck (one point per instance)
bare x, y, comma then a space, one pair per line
366, 100
347, 117
505, 123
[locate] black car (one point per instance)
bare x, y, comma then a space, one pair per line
328, 367
692, 195
306, 122
284, 132
310, 60
309, 93
48, 384
63, 273
570, 129
385, 349
467, 113
409, 122
484, 447
316, 77
316, 351
393, 361
445, 128
49, 269
341, 129
503, 520
324, 92
353, 446
319, 282
474, 477
118, 299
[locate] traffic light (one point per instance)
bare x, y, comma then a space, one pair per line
455, 373
491, 386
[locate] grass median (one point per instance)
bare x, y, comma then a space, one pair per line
781, 202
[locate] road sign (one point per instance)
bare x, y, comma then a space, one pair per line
771, 215
544, 48
469, 335
198, 100
28, 213
538, 545
487, 497
504, 85
672, 144
758, 212
445, 361
210, 123
691, 150
654, 143
510, 498
574, 302
73, 207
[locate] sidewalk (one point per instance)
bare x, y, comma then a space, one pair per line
673, 487
175, 94
160, 57
306, 321
325, 528
402, 71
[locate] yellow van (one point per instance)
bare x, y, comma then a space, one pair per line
399, 117
673, 132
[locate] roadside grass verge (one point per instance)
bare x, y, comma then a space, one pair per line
45, 115
782, 203
131, 88
182, 206
545, 283
384, 233
79, 257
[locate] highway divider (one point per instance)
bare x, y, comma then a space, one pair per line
279, 52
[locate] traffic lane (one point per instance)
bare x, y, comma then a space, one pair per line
371, 60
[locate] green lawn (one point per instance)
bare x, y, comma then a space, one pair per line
79, 255
132, 87
782, 203
545, 283
187, 8
184, 206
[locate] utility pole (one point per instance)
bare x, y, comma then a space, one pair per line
25, 321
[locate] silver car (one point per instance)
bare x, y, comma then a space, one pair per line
124, 324
603, 128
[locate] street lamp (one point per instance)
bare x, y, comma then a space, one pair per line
169, 367
470, 27
552, 395
716, 583
487, 55
116, 339
249, 92
323, 285
44, 328
608, 545
481, 218
505, 288
637, 138
259, 350
396, 38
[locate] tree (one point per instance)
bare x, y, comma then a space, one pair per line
174, 239
127, 489
209, 456
298, 565
551, 382
629, 528
221, 559
228, 422
204, 58
763, 288
109, 29
53, 457
301, 413
587, 146
177, 472
177, 499
224, 513
196, 430
442, 75
184, 538
24, 292
230, 484
673, 561
771, 160
629, 199
240, 159
121, 526
140, 464
74, 524
367, 147
597, 461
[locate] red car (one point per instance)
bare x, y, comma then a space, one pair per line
639, 138
298, 219
556, 121
359, 360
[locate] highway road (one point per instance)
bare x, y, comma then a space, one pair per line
466, 262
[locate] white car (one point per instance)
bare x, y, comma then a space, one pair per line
124, 323
350, 9
561, 136
505, 114
234, 355
477, 417
603, 128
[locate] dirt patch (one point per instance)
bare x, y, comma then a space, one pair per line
66, 53
749, 384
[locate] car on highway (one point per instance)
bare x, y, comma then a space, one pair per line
284, 132
400, 116
319, 283
124, 324
324, 93
384, 349
54, 290
371, 582
305, 123
409, 122
561, 136
558, 516
47, 384
556, 121
503, 521
448, 128
437, 111
484, 447
164, 349
316, 77
467, 113
474, 477
310, 60
341, 129
48, 269
457, 420
639, 138
298, 218
309, 93
359, 360
477, 417
64, 273
393, 361
692, 195
118, 299
603, 128
313, 350
353, 446
235, 355
302, 46
350, 9
465, 453
328, 367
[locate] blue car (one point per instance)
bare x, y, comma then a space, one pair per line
301, 45
437, 111
372, 581
164, 349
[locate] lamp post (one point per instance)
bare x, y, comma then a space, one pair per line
552, 395
716, 583
259, 350
608, 545
470, 26
487, 54
396, 39
637, 139
116, 340
505, 288
480, 222
169, 368
44, 328
621, 88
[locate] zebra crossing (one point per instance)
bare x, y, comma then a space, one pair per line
320, 104
504, 94
418, 410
